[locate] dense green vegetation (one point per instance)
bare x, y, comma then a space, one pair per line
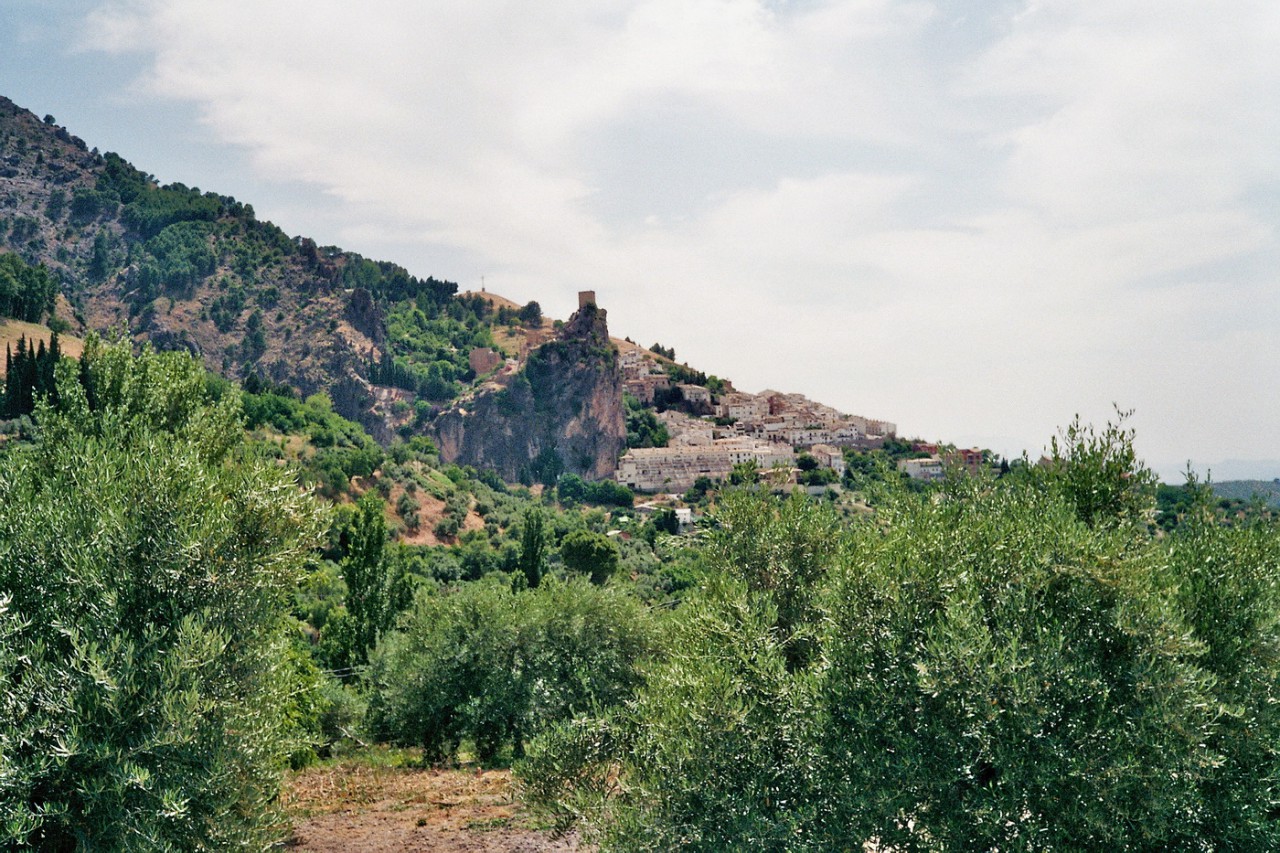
1014, 664
146, 570
342, 449
1033, 659
26, 292
643, 427
1051, 657
495, 666
431, 343
147, 207
29, 376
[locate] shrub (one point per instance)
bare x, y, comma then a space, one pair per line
1003, 676
146, 576
496, 667
1010, 665
590, 554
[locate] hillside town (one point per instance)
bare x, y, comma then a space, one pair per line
733, 427
711, 427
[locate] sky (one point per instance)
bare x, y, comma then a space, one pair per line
975, 218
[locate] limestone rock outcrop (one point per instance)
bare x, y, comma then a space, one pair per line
561, 413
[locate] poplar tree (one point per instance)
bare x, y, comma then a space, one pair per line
533, 546
376, 592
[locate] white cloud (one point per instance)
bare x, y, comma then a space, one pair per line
997, 219
1148, 107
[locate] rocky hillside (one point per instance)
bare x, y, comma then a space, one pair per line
561, 412
182, 268
193, 270
403, 356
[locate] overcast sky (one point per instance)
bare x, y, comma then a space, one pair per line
976, 219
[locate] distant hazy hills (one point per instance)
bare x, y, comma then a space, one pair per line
1245, 490
1222, 471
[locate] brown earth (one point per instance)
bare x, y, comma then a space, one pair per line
363, 809
431, 511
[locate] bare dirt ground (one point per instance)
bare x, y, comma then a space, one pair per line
356, 807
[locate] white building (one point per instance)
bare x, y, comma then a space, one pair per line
742, 407
695, 394
676, 468
929, 469
829, 457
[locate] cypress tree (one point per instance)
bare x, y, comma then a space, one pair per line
8, 381
30, 376
50, 369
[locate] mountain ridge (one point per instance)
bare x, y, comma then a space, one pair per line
193, 270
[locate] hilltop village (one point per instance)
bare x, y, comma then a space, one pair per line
708, 426
709, 433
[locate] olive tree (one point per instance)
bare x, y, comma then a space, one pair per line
1228, 590
494, 666
996, 665
146, 572
1003, 676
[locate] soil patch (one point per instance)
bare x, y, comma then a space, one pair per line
359, 808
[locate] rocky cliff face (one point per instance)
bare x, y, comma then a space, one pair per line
197, 271
561, 413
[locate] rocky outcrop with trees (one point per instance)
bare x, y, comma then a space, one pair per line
561, 413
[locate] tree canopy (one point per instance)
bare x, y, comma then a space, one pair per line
1012, 664
146, 572
26, 292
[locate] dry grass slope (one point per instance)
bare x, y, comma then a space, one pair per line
12, 330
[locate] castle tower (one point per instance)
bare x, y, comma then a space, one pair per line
585, 298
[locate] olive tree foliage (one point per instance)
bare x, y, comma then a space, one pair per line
781, 550
146, 572
1002, 676
998, 665
1099, 472
710, 755
716, 750
1228, 590
493, 666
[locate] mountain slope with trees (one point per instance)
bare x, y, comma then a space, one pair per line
1029, 657
198, 271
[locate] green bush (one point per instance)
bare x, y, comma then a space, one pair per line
996, 665
590, 554
146, 576
1004, 676
1228, 589
495, 667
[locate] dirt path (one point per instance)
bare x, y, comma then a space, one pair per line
360, 808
